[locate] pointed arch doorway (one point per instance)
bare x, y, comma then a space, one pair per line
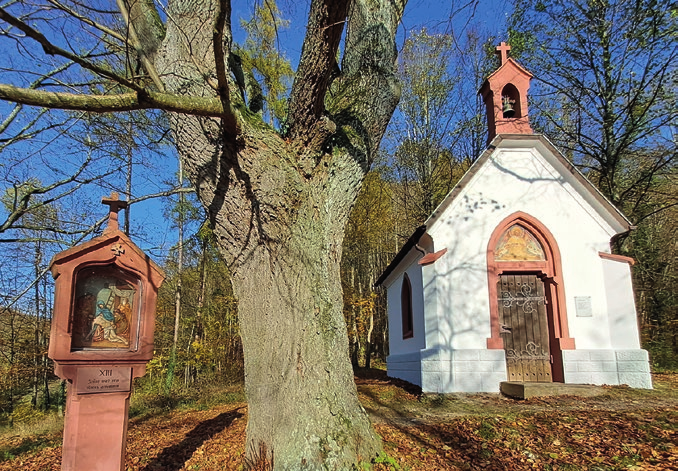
527, 308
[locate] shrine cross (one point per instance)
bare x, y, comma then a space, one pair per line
115, 204
503, 50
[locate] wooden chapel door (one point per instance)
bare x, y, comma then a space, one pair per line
524, 327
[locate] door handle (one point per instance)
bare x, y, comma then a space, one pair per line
504, 329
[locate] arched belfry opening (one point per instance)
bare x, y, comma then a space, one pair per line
505, 96
510, 102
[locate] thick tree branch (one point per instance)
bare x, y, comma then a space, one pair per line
318, 59
222, 26
148, 26
364, 97
205, 72
198, 106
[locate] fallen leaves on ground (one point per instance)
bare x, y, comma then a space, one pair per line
427, 433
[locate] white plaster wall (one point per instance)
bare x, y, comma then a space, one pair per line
432, 297
398, 345
517, 180
621, 306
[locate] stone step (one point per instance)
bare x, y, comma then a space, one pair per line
520, 390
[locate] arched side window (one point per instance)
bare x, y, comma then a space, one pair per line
406, 308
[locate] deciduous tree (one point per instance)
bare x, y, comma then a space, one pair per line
606, 85
438, 130
277, 203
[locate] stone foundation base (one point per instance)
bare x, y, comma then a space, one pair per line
472, 371
450, 371
630, 367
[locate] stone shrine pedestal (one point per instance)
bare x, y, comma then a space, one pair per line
101, 339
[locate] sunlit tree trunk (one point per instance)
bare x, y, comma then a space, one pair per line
177, 287
36, 328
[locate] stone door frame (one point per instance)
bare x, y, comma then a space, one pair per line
549, 271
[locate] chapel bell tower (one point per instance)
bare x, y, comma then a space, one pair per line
505, 95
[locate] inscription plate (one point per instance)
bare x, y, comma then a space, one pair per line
101, 379
583, 306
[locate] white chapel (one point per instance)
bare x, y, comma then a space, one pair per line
512, 277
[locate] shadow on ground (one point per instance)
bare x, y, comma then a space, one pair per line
173, 458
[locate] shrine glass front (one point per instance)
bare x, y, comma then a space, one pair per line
105, 313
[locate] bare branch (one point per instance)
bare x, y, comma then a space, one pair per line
23, 133
93, 228
21, 202
162, 194
51, 49
89, 21
57, 230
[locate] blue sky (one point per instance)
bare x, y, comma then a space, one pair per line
152, 229
434, 15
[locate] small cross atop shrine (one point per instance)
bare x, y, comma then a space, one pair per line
503, 50
115, 204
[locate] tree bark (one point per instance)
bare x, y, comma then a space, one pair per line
278, 209
297, 373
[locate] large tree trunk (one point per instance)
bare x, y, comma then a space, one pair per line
278, 207
284, 249
297, 370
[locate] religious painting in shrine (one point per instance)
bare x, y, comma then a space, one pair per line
518, 244
104, 309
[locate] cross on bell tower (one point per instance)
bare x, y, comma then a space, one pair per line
115, 204
502, 51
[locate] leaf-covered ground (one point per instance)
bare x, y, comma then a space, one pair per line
623, 429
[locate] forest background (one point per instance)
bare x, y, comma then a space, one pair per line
604, 92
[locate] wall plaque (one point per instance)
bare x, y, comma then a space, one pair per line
103, 379
583, 306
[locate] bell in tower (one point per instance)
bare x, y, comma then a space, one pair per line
507, 107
